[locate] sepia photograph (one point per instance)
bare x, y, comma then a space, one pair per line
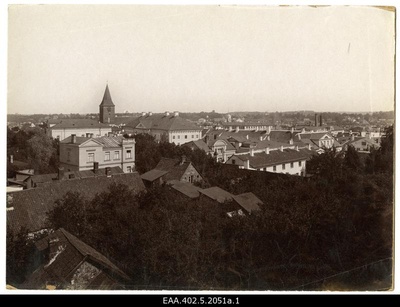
200, 148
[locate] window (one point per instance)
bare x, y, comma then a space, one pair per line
363, 143
291, 165
179, 137
185, 136
173, 137
68, 156
129, 154
283, 166
129, 169
274, 168
116, 155
233, 161
299, 163
90, 157
192, 136
197, 136
107, 156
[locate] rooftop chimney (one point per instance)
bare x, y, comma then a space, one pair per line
183, 159
261, 137
281, 149
309, 146
291, 141
267, 150
73, 138
352, 136
237, 129
320, 120
292, 130
108, 171
143, 113
95, 167
247, 164
166, 113
88, 135
268, 137
247, 136
176, 113
316, 119
60, 174
297, 148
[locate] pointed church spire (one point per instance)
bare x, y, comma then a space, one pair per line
107, 101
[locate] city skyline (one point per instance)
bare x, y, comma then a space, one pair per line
194, 59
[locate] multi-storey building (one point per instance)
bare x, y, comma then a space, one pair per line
82, 153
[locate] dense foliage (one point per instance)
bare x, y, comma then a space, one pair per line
336, 223
33, 147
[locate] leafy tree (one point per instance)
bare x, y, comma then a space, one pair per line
352, 160
40, 151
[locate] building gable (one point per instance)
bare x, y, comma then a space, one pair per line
91, 143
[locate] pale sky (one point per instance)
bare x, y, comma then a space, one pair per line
200, 58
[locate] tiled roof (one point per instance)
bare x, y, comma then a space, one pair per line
247, 124
275, 157
79, 140
200, 144
217, 194
313, 136
76, 174
110, 141
79, 124
248, 201
31, 206
68, 254
107, 101
162, 122
174, 167
282, 136
153, 175
185, 188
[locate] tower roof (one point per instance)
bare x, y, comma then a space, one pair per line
107, 101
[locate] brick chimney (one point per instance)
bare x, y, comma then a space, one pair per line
95, 167
247, 136
316, 119
320, 120
267, 150
247, 164
60, 174
352, 136
108, 171
281, 149
73, 138
309, 146
268, 137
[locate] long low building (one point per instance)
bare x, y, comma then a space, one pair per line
286, 161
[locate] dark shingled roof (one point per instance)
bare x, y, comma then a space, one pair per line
153, 175
31, 206
107, 101
67, 254
76, 174
174, 167
185, 188
276, 157
162, 122
248, 201
79, 123
200, 144
217, 194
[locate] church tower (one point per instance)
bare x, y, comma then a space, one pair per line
107, 108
